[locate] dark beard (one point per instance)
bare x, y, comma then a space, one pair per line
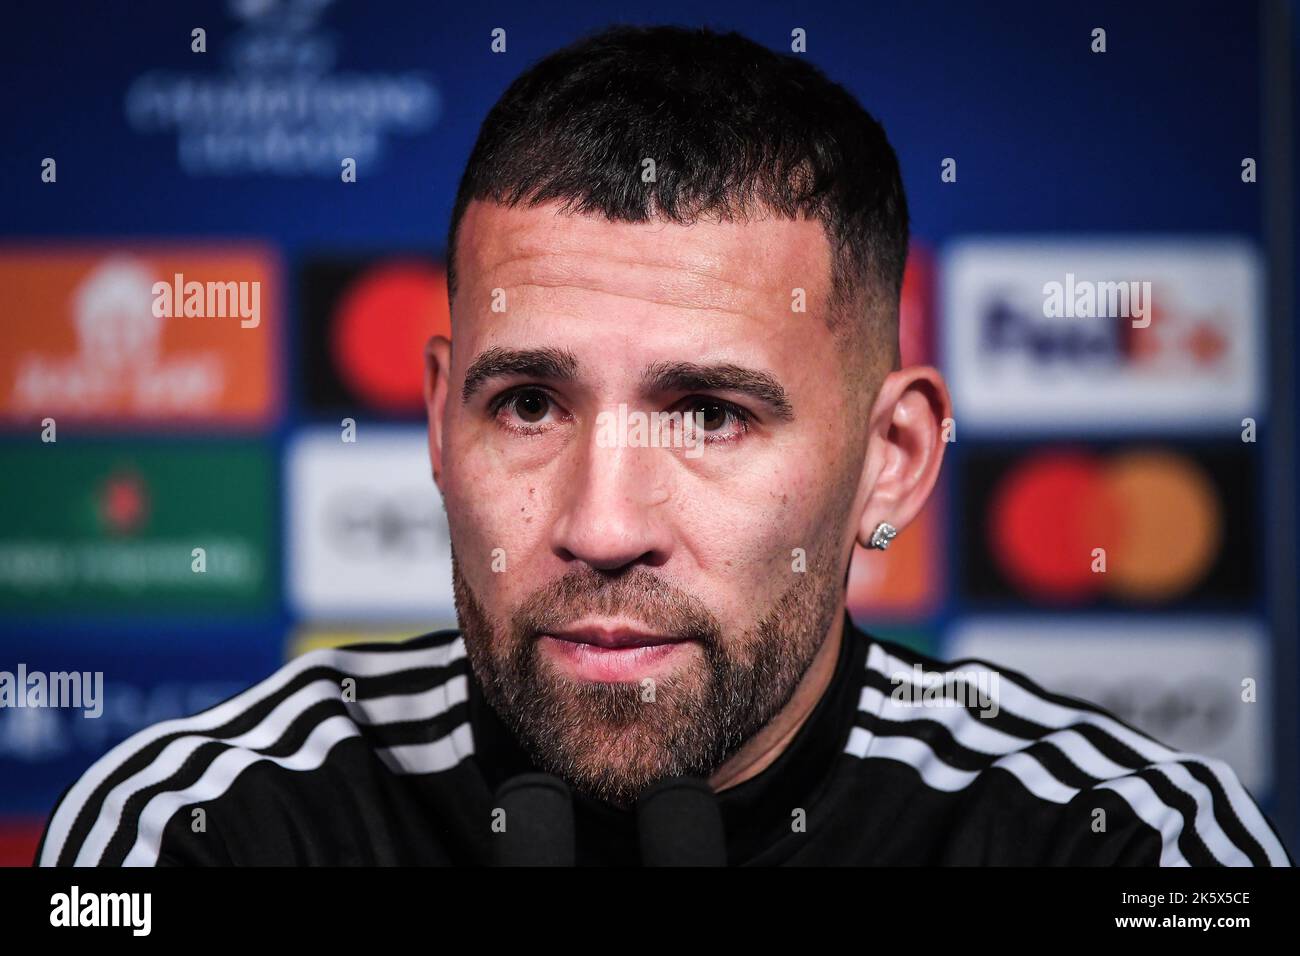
613, 740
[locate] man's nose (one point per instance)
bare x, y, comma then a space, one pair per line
615, 510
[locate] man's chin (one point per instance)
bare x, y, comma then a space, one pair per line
612, 740
617, 768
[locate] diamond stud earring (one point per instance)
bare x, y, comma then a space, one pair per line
884, 533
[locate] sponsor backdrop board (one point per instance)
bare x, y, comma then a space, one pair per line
1198, 685
1138, 524
1091, 415
1104, 334
119, 334
129, 680
367, 535
365, 320
144, 528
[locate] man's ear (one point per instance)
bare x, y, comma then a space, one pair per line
437, 373
909, 423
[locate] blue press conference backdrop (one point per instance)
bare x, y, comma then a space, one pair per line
1066, 158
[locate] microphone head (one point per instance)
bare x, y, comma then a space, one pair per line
680, 824
538, 822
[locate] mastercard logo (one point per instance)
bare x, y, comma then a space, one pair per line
380, 328
1155, 515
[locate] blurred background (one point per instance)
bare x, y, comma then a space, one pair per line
132, 155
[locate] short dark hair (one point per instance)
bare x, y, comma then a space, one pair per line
734, 129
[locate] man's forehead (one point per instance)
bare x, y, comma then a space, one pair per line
710, 264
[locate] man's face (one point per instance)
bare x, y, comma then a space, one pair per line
639, 601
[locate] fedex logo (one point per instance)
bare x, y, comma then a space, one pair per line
1072, 327
1093, 335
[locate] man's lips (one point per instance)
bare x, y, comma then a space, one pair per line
612, 637
613, 652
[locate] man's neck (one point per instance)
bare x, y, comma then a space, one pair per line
763, 748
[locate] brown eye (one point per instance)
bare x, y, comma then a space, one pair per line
716, 419
531, 407
713, 415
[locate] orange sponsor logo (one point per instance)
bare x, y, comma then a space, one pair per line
85, 340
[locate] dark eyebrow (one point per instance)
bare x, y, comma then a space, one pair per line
555, 364
689, 377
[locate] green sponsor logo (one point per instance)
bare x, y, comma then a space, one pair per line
136, 528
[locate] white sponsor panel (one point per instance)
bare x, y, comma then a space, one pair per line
367, 535
1100, 334
1180, 682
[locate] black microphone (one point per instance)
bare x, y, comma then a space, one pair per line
680, 824
537, 823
